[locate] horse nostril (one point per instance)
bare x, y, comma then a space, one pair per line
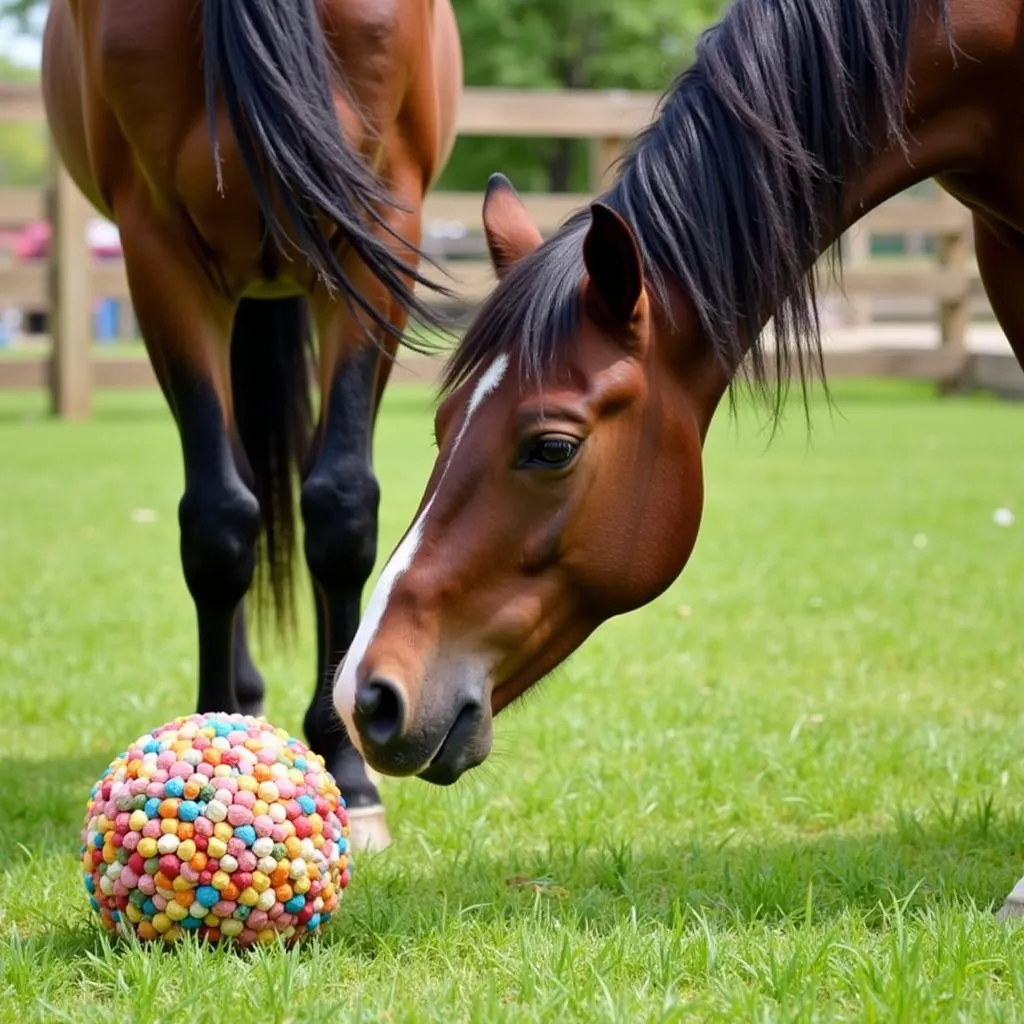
380, 711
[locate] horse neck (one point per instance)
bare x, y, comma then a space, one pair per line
943, 133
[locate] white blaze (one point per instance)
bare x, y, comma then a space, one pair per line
345, 679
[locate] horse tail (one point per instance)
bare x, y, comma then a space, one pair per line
271, 381
270, 63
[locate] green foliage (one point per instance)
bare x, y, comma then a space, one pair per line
552, 44
23, 155
22, 10
23, 145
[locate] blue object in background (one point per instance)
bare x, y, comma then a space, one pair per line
10, 325
106, 321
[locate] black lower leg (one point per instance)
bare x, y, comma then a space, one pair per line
219, 519
339, 508
249, 685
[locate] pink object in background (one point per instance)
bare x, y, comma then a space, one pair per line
33, 241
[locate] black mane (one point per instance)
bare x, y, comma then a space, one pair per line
733, 188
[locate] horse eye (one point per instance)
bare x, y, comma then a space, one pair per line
550, 451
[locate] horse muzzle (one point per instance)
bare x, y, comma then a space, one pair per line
437, 740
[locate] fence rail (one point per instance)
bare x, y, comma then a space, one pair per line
944, 286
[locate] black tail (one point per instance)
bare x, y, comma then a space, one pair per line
271, 65
271, 382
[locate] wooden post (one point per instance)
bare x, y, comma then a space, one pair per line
603, 154
70, 314
856, 244
955, 313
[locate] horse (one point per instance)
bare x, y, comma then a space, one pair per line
568, 483
266, 162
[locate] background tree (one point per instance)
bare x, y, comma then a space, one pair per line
574, 44
27, 12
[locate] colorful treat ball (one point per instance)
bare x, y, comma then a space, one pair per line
220, 825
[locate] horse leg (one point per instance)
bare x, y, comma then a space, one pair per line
249, 685
219, 520
1000, 254
186, 325
340, 496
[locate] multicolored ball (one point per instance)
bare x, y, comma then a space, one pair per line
220, 825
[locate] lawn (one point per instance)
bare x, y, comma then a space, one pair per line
790, 789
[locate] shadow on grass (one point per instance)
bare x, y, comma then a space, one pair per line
962, 857
965, 859
42, 803
391, 907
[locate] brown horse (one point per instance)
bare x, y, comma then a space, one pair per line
266, 163
568, 484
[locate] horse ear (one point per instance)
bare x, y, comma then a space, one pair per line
613, 263
511, 234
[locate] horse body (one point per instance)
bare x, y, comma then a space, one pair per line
147, 58
568, 486
266, 163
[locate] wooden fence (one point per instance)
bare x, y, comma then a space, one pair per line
943, 287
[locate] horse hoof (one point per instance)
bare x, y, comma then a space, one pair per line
1013, 905
368, 829
1010, 908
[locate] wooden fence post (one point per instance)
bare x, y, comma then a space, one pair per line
603, 155
70, 314
955, 313
856, 244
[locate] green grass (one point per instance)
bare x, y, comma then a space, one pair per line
790, 789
